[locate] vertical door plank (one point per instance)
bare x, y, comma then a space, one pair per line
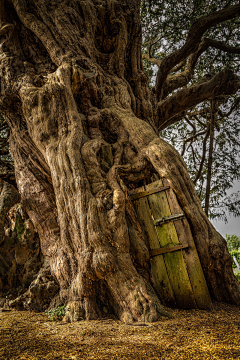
194, 267
158, 268
167, 235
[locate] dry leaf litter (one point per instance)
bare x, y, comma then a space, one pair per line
190, 334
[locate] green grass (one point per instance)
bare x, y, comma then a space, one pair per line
56, 314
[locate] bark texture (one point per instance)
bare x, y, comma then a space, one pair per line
25, 277
82, 121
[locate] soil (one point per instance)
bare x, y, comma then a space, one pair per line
190, 334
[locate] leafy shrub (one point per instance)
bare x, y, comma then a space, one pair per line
238, 276
233, 242
56, 314
237, 256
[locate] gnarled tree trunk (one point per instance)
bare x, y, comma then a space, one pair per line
82, 121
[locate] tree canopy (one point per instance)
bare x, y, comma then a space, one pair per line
165, 27
233, 242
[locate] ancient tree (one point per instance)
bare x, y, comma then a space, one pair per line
84, 130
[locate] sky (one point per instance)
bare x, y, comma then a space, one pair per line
233, 225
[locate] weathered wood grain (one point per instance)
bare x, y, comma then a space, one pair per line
158, 268
175, 264
190, 255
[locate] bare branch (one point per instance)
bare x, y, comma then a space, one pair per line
172, 120
179, 66
203, 155
224, 83
194, 157
191, 138
233, 107
199, 121
191, 124
201, 112
222, 46
152, 60
194, 36
153, 43
157, 62
182, 79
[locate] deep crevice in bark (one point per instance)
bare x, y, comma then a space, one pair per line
82, 134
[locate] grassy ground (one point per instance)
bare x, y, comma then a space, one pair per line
190, 334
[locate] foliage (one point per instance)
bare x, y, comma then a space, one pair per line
165, 28
238, 276
235, 253
166, 25
226, 164
56, 314
233, 242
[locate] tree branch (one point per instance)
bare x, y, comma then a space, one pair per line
191, 124
39, 29
222, 46
172, 120
152, 60
203, 156
192, 138
224, 83
179, 66
182, 79
233, 107
210, 158
194, 36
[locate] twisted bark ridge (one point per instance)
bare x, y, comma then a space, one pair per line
83, 132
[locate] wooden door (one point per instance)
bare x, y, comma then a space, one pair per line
175, 265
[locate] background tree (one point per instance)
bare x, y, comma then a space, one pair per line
233, 242
85, 129
191, 136
209, 144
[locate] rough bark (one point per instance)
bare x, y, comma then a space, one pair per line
81, 116
24, 271
8, 197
